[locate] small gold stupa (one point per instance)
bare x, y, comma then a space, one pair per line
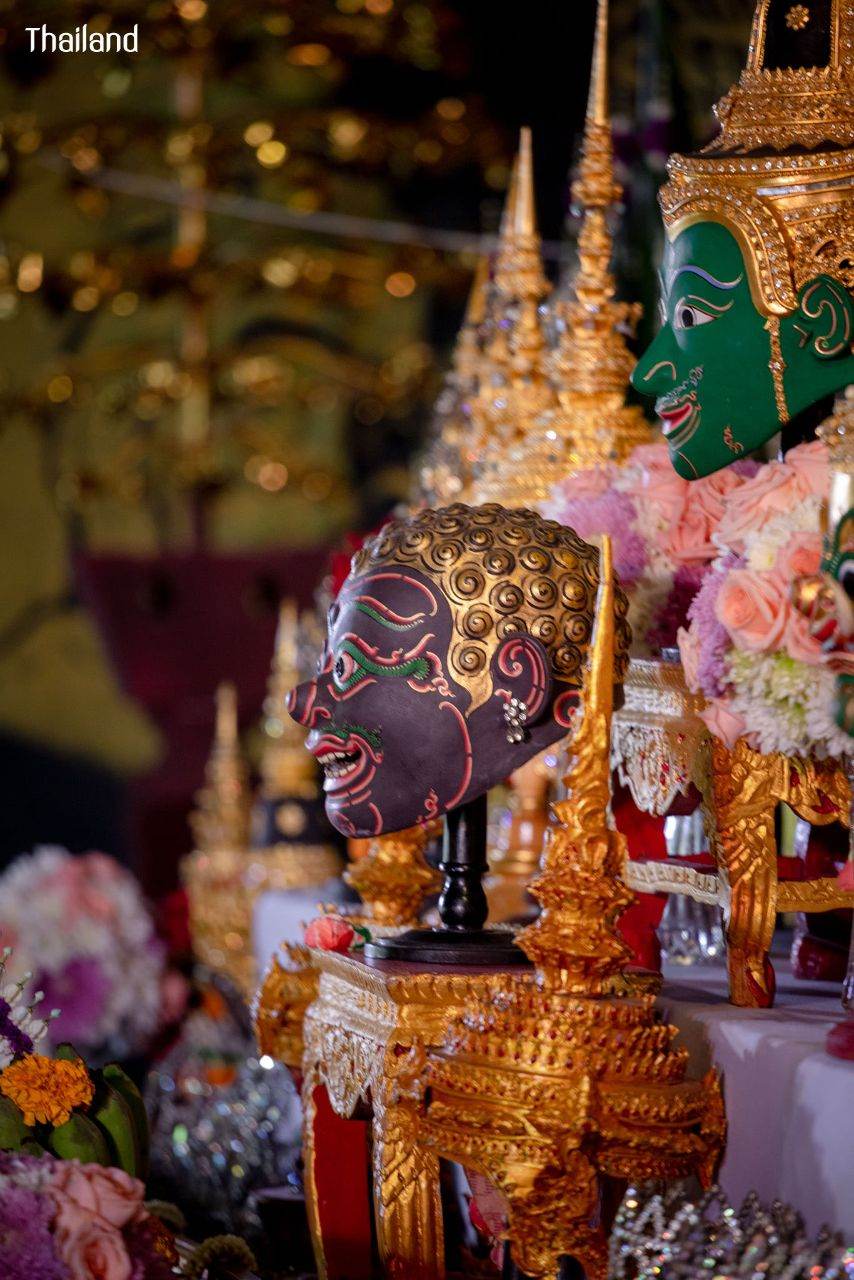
445, 471
514, 392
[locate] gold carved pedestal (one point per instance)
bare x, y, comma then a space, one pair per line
364, 1040
659, 748
553, 1087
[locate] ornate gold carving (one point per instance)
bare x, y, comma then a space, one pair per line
657, 739
554, 1084
539, 577
365, 1036
793, 213
746, 788
777, 365
393, 878
286, 991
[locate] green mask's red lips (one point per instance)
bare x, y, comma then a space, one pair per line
674, 416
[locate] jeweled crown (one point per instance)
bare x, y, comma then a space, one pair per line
780, 174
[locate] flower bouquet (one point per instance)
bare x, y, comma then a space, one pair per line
746, 648
661, 529
67, 1220
80, 929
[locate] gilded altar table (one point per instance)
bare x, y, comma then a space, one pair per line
365, 1040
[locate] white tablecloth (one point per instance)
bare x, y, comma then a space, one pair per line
790, 1106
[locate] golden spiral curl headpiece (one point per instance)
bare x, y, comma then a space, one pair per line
503, 572
780, 174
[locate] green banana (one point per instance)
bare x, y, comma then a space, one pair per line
13, 1131
79, 1139
114, 1118
123, 1085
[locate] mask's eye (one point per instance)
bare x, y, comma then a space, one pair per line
688, 316
846, 577
347, 671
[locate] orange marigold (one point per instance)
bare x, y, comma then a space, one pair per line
46, 1089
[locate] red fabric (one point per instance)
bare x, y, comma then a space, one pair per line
342, 1185
645, 839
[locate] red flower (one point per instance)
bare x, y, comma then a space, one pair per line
330, 933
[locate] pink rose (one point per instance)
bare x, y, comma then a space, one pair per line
798, 640
689, 651
811, 464
94, 1189
330, 933
658, 483
800, 557
776, 489
754, 608
688, 540
723, 722
93, 1250
592, 482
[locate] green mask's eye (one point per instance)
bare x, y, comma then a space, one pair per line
845, 575
687, 315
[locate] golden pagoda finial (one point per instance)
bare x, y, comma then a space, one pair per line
574, 942
592, 362
514, 391
221, 819
518, 264
287, 769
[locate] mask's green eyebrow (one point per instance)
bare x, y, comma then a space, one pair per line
690, 269
393, 622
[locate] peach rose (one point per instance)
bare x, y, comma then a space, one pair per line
811, 464
92, 1249
658, 483
107, 1193
330, 933
688, 540
800, 557
776, 489
754, 608
723, 722
689, 651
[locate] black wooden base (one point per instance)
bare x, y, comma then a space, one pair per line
493, 947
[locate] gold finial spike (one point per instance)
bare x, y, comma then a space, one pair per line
509, 198
597, 102
226, 716
523, 214
286, 661
600, 685
287, 769
476, 305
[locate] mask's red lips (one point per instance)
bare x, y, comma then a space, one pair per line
673, 419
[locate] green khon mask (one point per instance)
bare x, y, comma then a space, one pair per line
726, 377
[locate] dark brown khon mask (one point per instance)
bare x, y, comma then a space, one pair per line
455, 653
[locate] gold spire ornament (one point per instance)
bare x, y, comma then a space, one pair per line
514, 391
558, 1084
287, 769
445, 472
221, 819
592, 363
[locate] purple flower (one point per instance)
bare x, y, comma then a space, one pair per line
26, 1244
674, 612
80, 992
613, 513
713, 638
